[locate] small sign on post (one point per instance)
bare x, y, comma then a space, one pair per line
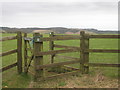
37, 38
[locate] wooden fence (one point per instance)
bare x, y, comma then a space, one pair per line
37, 53
84, 50
18, 51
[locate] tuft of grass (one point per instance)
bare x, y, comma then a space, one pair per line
62, 84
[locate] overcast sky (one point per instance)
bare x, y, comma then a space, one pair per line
72, 14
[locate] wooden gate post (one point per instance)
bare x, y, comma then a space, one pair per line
84, 56
25, 53
86, 61
19, 52
38, 60
51, 47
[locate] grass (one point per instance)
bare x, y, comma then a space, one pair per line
13, 80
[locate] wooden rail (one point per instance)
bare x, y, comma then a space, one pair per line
55, 52
62, 74
57, 64
63, 46
18, 51
67, 35
73, 37
31, 72
104, 36
102, 51
8, 38
103, 65
70, 68
8, 67
8, 52
67, 57
59, 38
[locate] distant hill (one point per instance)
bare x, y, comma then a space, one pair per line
60, 30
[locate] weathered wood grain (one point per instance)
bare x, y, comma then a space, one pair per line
51, 47
86, 59
60, 38
103, 50
64, 46
38, 60
70, 67
67, 35
31, 72
55, 52
19, 52
57, 64
25, 53
62, 74
104, 36
8, 67
82, 53
103, 65
8, 52
67, 57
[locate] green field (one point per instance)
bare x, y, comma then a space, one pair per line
12, 80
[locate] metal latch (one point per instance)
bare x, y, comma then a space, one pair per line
37, 39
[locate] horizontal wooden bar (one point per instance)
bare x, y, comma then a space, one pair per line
103, 65
55, 52
66, 35
63, 46
31, 72
62, 74
57, 64
8, 52
70, 67
67, 57
104, 36
8, 38
103, 51
27, 38
60, 38
31, 66
8, 67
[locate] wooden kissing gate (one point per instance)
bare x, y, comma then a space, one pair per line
37, 53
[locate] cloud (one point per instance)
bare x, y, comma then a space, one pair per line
25, 7
72, 14
59, 1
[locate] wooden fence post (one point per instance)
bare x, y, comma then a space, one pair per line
19, 52
25, 53
51, 46
84, 56
86, 61
38, 60
82, 47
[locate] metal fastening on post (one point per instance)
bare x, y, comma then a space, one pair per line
37, 39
